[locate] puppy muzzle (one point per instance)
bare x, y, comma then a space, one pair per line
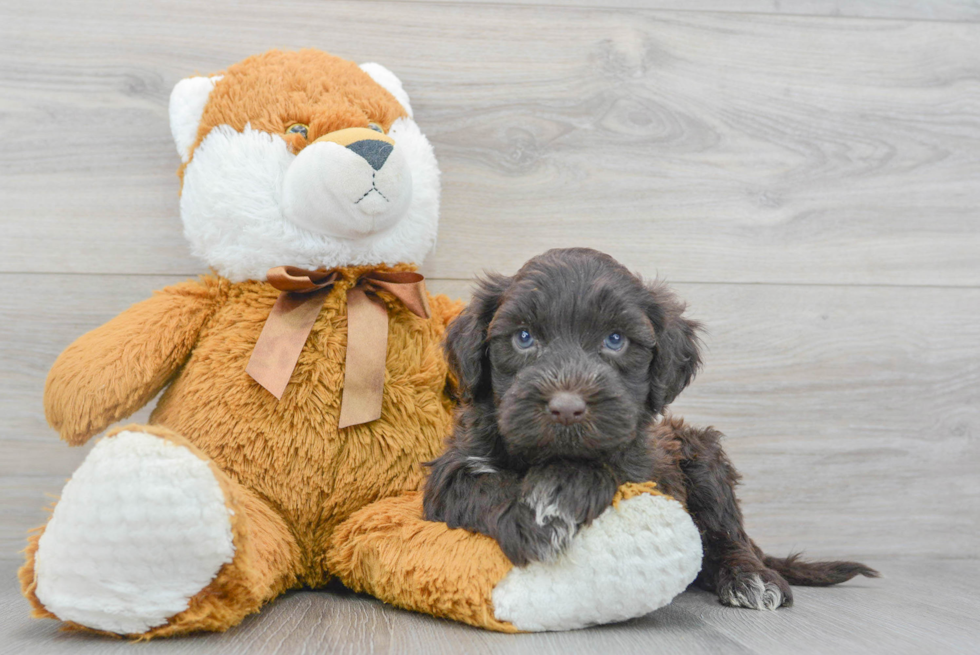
350, 184
568, 409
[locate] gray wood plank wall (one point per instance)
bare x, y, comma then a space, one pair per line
809, 182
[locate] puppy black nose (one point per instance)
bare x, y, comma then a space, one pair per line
566, 407
375, 152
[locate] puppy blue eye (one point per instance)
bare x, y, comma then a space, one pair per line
614, 342
523, 339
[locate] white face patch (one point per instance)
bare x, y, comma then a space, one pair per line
232, 206
331, 190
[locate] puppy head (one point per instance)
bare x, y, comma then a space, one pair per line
573, 354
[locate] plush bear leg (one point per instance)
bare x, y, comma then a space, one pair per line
151, 539
632, 560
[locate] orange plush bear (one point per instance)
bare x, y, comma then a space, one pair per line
286, 448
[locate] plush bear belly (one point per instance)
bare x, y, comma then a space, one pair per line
290, 450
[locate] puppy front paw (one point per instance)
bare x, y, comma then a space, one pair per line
527, 534
759, 590
576, 492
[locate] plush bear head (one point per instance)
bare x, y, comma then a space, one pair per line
302, 159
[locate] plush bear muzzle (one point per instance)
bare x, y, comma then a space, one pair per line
350, 183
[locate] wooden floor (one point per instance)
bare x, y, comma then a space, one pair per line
805, 172
920, 607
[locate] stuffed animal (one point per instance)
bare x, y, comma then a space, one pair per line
303, 388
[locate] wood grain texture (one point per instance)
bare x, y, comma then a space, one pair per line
921, 606
713, 146
850, 411
945, 10
807, 172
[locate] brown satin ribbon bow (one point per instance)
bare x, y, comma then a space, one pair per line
291, 320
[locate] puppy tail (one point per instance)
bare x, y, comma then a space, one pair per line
797, 571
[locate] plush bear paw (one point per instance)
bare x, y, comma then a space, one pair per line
633, 559
141, 528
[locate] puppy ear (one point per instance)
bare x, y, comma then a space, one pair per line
466, 338
677, 356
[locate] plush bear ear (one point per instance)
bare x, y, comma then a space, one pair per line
466, 338
389, 82
677, 356
187, 102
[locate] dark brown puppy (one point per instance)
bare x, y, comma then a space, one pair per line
564, 372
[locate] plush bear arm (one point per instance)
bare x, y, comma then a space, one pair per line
112, 371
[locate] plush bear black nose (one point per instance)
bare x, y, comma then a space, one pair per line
375, 152
566, 407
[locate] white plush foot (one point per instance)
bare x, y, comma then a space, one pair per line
632, 560
141, 528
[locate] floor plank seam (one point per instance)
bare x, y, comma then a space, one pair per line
668, 279
672, 10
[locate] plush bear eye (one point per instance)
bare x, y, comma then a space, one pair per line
376, 127
614, 342
523, 339
298, 128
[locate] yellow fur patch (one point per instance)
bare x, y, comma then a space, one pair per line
290, 451
389, 551
294, 476
633, 489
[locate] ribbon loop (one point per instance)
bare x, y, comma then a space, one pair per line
292, 317
291, 278
406, 286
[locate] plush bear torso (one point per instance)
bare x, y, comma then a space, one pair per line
290, 451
